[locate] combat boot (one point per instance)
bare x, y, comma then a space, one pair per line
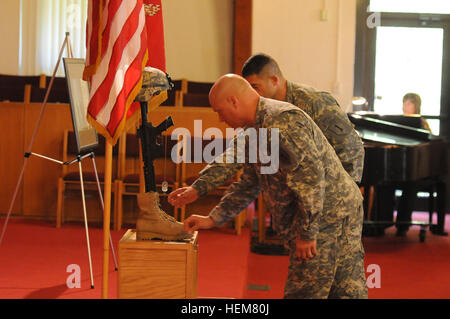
154, 223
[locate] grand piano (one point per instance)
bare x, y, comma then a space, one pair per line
399, 154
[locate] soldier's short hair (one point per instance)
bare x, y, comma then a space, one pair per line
258, 63
415, 99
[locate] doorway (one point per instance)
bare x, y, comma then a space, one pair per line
408, 60
404, 52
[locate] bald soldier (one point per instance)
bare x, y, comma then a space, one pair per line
315, 204
265, 76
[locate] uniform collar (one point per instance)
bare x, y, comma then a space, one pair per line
289, 91
260, 112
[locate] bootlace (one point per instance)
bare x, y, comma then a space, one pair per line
166, 216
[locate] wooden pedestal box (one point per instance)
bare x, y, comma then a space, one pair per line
157, 269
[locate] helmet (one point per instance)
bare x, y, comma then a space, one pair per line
154, 81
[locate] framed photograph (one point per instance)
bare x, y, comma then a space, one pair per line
86, 135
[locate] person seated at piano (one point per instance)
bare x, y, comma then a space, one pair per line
411, 106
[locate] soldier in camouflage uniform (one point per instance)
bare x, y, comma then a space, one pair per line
263, 73
315, 204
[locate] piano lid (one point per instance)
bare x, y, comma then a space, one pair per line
376, 130
412, 120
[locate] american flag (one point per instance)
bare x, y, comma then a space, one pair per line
121, 35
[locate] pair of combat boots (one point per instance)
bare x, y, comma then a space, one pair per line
154, 223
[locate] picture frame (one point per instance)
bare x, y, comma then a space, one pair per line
86, 135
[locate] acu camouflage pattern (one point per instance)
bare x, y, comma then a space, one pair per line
154, 81
310, 178
338, 269
325, 111
310, 197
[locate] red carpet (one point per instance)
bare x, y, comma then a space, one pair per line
267, 275
223, 259
411, 269
34, 257
408, 268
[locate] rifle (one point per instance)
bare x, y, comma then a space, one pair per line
151, 149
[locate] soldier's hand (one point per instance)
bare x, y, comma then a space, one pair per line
183, 196
305, 249
196, 222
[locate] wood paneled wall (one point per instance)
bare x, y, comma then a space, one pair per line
242, 39
37, 196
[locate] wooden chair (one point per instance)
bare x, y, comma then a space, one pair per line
21, 81
190, 171
180, 85
130, 178
12, 94
262, 212
194, 94
70, 177
58, 94
198, 87
171, 98
193, 99
18, 88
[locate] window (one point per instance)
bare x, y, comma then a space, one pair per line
406, 50
402, 67
44, 24
411, 6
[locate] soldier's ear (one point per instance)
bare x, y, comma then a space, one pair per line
274, 80
234, 101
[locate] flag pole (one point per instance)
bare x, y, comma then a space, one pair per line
106, 217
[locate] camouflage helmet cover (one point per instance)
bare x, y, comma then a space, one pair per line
154, 81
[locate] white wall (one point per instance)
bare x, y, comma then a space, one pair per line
198, 35
308, 50
199, 38
9, 36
